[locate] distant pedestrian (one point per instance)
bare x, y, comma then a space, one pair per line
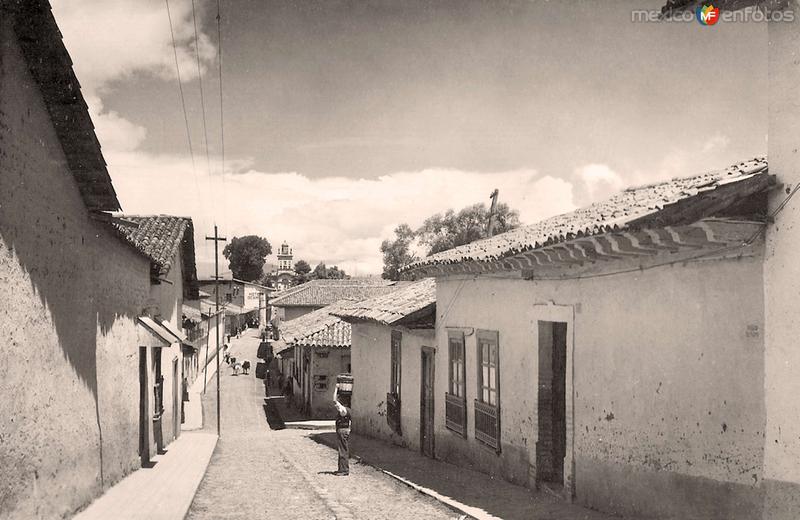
269, 378
245, 366
342, 434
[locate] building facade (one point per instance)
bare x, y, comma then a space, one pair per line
607, 354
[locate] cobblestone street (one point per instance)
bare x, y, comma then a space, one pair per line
257, 472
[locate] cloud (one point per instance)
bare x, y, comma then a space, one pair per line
597, 182
113, 40
716, 142
333, 219
337, 220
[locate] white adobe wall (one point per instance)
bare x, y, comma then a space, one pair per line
782, 276
371, 360
71, 293
668, 371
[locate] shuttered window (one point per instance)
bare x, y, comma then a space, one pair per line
455, 399
487, 405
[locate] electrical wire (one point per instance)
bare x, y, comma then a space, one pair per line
221, 116
183, 100
202, 96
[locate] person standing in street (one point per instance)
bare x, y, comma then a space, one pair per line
342, 433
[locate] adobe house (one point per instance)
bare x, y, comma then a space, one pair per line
168, 242
73, 341
615, 354
393, 352
314, 349
316, 294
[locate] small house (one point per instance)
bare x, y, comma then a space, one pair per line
614, 355
393, 351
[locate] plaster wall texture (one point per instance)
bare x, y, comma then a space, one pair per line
782, 276
371, 375
72, 292
331, 362
665, 371
290, 313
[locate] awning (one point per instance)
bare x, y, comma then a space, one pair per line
174, 331
157, 331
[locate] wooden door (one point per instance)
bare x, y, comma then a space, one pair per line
426, 413
144, 417
551, 402
176, 400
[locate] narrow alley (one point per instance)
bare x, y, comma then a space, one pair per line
257, 472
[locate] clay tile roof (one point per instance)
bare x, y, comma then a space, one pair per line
51, 68
320, 328
318, 293
664, 203
393, 307
158, 237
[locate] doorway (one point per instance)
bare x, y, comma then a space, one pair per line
426, 413
176, 400
144, 418
551, 446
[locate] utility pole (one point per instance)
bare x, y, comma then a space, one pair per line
217, 239
492, 210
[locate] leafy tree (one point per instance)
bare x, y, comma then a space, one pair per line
246, 256
336, 273
447, 230
301, 271
320, 272
301, 267
396, 253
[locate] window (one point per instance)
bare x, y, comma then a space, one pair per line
228, 297
487, 405
393, 397
455, 399
487, 367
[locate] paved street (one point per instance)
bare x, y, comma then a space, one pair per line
257, 472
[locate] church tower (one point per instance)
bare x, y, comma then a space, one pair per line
285, 259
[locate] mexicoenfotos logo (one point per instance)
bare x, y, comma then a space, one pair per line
707, 14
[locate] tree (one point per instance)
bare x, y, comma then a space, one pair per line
301, 267
246, 256
396, 253
447, 230
336, 273
320, 272
301, 270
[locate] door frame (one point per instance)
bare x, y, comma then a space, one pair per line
430, 353
566, 314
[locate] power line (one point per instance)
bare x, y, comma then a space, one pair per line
183, 101
221, 116
200, 80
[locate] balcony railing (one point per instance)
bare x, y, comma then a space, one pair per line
455, 409
393, 412
487, 424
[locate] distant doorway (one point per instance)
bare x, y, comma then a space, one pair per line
144, 417
551, 447
426, 414
176, 400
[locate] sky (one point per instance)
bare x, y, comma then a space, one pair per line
343, 119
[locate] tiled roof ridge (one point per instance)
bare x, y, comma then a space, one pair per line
618, 211
394, 306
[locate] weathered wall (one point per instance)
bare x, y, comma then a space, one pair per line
71, 292
782, 277
290, 313
371, 374
667, 369
164, 304
328, 363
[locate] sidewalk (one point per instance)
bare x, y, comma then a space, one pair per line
163, 491
471, 492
